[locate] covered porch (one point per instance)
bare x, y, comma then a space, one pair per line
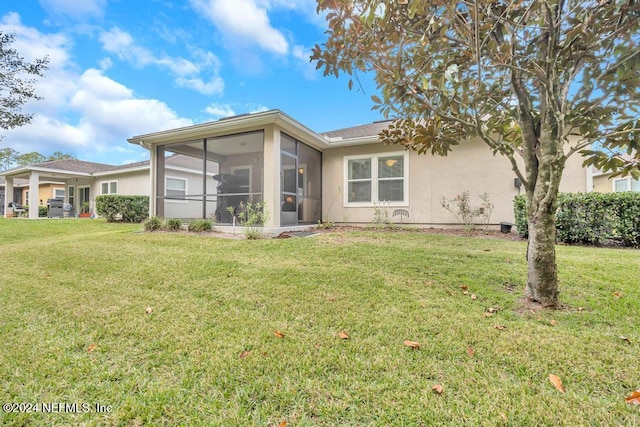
264, 158
39, 182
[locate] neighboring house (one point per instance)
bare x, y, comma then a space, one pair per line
342, 176
46, 190
78, 182
603, 183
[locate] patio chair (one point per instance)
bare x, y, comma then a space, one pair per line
18, 210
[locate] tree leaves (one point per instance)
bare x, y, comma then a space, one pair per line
412, 344
557, 382
343, 335
633, 398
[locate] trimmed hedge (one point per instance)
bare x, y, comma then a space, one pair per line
123, 208
591, 218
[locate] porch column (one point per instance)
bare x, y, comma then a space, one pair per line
34, 196
8, 194
271, 190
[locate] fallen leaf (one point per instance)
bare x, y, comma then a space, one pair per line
437, 388
453, 294
317, 346
633, 398
343, 335
503, 416
244, 354
283, 424
414, 345
474, 297
557, 382
488, 314
617, 294
229, 274
623, 338
553, 322
149, 310
470, 351
580, 309
465, 293
92, 347
464, 287
492, 310
278, 334
423, 305
500, 327
331, 297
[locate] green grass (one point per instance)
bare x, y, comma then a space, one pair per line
68, 284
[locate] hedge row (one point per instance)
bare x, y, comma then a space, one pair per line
591, 218
123, 208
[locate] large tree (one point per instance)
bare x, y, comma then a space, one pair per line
17, 78
522, 75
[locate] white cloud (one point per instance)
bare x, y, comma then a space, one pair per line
85, 113
219, 110
187, 73
244, 22
302, 56
74, 8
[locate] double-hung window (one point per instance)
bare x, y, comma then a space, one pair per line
626, 184
175, 189
109, 187
376, 178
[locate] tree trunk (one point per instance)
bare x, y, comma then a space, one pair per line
542, 279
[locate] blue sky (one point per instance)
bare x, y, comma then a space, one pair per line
120, 68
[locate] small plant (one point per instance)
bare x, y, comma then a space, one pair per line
201, 225
325, 225
172, 224
252, 217
461, 208
152, 224
381, 213
84, 207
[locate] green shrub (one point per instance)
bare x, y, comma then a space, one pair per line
125, 208
520, 213
591, 218
252, 217
152, 224
172, 224
201, 225
43, 211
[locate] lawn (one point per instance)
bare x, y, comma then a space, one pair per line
179, 329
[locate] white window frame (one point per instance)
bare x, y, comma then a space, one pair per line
627, 181
166, 187
70, 196
109, 187
233, 169
55, 193
374, 179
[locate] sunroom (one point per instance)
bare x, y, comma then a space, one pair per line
263, 159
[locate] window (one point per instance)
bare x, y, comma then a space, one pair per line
175, 189
109, 187
243, 178
379, 177
58, 193
626, 184
72, 195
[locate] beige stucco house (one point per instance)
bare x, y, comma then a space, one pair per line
78, 182
303, 177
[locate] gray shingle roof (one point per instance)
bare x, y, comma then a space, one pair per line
361, 131
73, 165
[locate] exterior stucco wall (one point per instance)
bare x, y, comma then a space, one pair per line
602, 184
45, 192
469, 167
